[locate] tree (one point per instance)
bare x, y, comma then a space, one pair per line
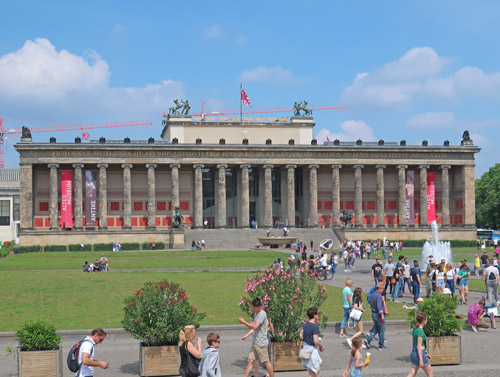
488, 199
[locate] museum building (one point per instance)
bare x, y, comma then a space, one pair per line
229, 173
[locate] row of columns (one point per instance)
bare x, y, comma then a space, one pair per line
245, 195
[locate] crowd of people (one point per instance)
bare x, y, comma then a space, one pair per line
197, 245
99, 265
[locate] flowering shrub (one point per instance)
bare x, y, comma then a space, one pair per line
286, 296
157, 312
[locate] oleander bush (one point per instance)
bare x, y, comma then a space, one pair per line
38, 336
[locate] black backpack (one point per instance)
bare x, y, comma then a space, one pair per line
72, 360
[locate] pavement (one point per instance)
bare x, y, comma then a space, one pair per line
121, 351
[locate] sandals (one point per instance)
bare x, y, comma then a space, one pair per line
342, 335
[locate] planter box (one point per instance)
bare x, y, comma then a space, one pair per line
445, 350
159, 360
40, 363
285, 356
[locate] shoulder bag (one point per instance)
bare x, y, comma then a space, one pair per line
192, 363
305, 354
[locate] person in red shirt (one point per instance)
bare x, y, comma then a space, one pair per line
475, 316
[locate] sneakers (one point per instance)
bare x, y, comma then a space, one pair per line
349, 342
366, 344
474, 328
384, 348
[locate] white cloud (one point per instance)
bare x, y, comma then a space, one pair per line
213, 31
433, 120
240, 40
352, 131
273, 75
117, 29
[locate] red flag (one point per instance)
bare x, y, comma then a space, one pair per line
327, 138
85, 136
244, 98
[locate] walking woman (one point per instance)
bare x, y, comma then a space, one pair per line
419, 356
355, 360
450, 278
440, 275
347, 304
463, 283
357, 301
310, 335
187, 338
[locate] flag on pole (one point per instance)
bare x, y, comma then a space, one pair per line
244, 98
85, 136
327, 138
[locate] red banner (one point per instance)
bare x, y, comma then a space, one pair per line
410, 197
431, 197
67, 198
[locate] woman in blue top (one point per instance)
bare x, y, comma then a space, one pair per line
310, 335
419, 356
347, 304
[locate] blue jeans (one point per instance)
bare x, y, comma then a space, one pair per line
378, 328
416, 291
347, 311
407, 281
395, 291
376, 280
334, 268
450, 284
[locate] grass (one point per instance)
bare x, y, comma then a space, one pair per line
141, 260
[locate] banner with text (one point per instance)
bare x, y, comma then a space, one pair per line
410, 197
67, 198
431, 197
91, 198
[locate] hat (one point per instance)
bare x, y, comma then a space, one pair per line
464, 260
431, 260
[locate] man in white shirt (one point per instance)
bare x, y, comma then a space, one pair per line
492, 280
86, 354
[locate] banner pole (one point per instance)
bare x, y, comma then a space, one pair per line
241, 105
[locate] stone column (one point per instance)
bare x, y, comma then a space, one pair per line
103, 196
402, 195
127, 196
175, 187
445, 195
290, 209
221, 219
78, 199
54, 213
26, 195
313, 196
423, 194
268, 196
151, 196
245, 196
336, 194
469, 198
198, 196
380, 196
358, 195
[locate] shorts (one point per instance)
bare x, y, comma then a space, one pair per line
259, 353
414, 357
463, 283
355, 373
440, 283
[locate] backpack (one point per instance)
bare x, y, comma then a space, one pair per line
371, 291
72, 359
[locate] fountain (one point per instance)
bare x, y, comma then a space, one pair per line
439, 250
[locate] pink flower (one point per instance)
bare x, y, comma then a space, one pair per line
291, 313
298, 289
281, 334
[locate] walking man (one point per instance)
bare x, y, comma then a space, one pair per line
86, 354
491, 278
378, 316
260, 340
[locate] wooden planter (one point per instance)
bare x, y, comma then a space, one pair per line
159, 360
40, 363
445, 350
285, 356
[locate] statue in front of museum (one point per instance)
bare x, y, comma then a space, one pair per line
177, 223
347, 218
26, 132
301, 106
180, 108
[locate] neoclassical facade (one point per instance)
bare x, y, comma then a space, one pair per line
229, 173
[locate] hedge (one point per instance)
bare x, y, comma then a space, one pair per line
76, 247
129, 246
103, 247
50, 248
149, 245
454, 243
26, 249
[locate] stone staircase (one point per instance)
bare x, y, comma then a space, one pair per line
246, 239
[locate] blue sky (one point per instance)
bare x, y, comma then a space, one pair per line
406, 70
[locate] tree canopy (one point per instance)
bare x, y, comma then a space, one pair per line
488, 199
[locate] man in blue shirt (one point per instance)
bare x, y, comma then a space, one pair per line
376, 302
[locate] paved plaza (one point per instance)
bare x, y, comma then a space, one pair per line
122, 352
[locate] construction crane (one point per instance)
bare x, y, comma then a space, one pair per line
261, 110
57, 128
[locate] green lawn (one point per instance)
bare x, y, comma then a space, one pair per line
141, 260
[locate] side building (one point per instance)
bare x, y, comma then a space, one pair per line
9, 205
230, 173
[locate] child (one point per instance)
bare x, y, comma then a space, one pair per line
355, 360
210, 361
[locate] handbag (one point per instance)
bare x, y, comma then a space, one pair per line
305, 354
355, 314
192, 363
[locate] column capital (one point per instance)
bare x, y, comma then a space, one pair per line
402, 166
175, 165
77, 166
380, 166
424, 167
243, 166
198, 166
127, 166
267, 166
313, 166
221, 166
445, 167
469, 167
291, 166
53, 166
358, 166
105, 166
151, 166
336, 166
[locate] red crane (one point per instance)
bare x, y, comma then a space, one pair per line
59, 127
